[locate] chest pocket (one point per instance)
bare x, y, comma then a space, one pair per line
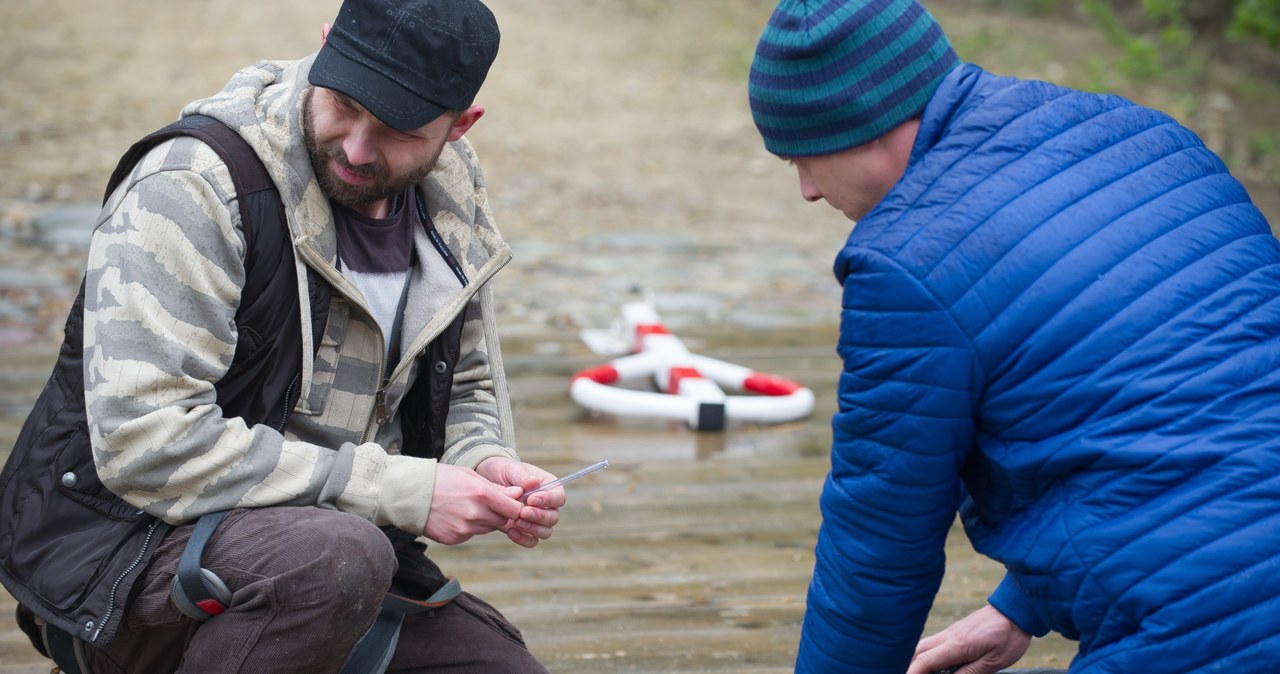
327, 358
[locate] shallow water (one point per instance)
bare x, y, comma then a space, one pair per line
690, 553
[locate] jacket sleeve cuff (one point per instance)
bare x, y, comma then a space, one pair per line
1013, 604
476, 455
405, 488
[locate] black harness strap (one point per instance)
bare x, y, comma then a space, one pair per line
198, 592
374, 650
65, 651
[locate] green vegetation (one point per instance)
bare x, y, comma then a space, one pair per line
1219, 60
1259, 19
1212, 64
1154, 30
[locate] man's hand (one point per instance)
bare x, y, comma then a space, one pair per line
465, 504
981, 643
536, 519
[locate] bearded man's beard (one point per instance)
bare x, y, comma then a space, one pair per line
384, 185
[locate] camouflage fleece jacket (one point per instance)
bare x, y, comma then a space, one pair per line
166, 268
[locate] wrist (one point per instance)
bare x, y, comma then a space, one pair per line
490, 467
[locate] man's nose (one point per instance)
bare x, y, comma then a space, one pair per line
808, 190
359, 144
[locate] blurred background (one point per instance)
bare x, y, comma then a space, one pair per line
620, 155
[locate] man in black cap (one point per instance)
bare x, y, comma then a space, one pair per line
390, 420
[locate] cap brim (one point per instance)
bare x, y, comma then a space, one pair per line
391, 103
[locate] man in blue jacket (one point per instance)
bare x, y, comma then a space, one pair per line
1061, 317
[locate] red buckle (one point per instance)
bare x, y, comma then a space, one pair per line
211, 606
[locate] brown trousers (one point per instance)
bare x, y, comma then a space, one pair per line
306, 584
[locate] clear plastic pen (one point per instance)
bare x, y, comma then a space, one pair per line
566, 479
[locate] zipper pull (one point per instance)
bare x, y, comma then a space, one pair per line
380, 403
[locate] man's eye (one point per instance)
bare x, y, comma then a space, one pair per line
345, 103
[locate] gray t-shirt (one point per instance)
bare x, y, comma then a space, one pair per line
376, 254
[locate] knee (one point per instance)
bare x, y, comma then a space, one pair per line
350, 556
361, 556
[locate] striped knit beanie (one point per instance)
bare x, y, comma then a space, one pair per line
829, 75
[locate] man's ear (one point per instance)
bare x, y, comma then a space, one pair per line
324, 33
465, 121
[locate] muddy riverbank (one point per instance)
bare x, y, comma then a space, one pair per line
690, 553
619, 154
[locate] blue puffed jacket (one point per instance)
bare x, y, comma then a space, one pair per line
1063, 321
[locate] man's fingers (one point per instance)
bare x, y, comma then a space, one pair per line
550, 499
547, 517
933, 660
531, 482
535, 530
520, 537
506, 502
930, 642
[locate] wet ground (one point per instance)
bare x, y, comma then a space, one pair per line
690, 553
619, 152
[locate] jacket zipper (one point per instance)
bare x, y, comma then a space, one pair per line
111, 598
338, 281
379, 415
380, 402
288, 406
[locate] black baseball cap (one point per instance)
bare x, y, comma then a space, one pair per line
408, 61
